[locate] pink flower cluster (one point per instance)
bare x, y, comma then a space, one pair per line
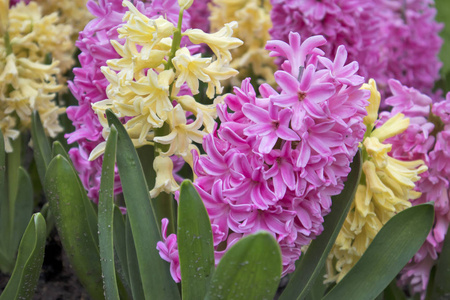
277, 159
427, 138
389, 39
89, 84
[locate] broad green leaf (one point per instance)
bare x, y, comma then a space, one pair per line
153, 270
3, 188
441, 286
68, 206
395, 244
443, 15
393, 292
23, 208
105, 218
308, 269
29, 262
133, 265
250, 269
5, 264
59, 149
41, 145
13, 162
91, 214
119, 245
49, 217
7, 206
195, 243
318, 288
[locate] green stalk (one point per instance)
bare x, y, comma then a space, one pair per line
163, 204
176, 41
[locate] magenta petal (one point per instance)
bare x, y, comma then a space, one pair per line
320, 92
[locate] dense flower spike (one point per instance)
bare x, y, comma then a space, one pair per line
262, 173
28, 80
389, 39
386, 189
427, 138
254, 23
98, 43
151, 82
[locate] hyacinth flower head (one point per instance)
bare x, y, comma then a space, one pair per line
386, 188
254, 23
389, 39
90, 84
28, 80
152, 83
275, 160
426, 138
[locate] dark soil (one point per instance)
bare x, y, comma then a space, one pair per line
57, 280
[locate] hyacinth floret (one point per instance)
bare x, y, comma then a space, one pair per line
386, 188
427, 138
152, 83
389, 39
30, 45
255, 176
99, 42
253, 17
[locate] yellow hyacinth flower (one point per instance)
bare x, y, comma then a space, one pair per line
152, 81
190, 69
181, 133
164, 176
141, 29
386, 188
28, 81
253, 17
220, 42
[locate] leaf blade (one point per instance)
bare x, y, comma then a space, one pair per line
41, 146
195, 243
153, 270
255, 262
393, 246
29, 261
105, 218
67, 204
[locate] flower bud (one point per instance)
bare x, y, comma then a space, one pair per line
185, 4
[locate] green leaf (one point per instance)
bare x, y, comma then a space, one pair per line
89, 206
14, 160
443, 15
318, 288
49, 217
59, 149
29, 262
133, 265
393, 292
308, 269
441, 287
5, 263
7, 206
3, 188
68, 205
41, 145
153, 270
120, 246
395, 244
195, 243
105, 217
250, 269
23, 208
